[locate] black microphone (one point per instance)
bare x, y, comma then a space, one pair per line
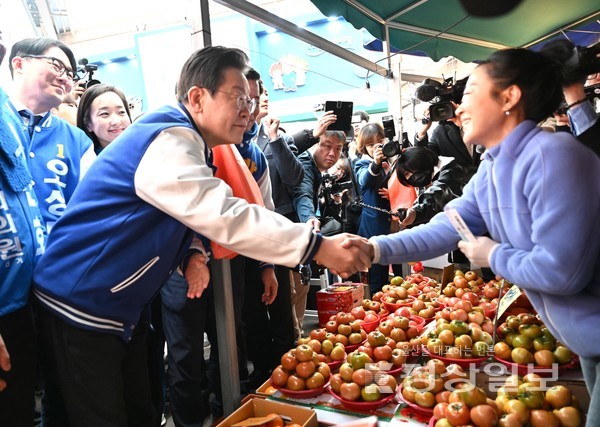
428, 90
480, 148
425, 93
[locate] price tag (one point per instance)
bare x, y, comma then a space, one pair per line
510, 297
459, 225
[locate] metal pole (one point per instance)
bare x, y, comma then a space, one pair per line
228, 361
200, 18
221, 270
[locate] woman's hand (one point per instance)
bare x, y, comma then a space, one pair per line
480, 251
384, 193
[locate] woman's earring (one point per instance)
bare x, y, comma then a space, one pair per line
507, 113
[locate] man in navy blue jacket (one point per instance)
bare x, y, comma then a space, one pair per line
129, 225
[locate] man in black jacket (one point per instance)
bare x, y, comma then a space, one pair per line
446, 140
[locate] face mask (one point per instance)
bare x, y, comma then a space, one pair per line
421, 179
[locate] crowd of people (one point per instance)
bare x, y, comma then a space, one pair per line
111, 225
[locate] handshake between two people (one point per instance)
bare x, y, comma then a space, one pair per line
345, 254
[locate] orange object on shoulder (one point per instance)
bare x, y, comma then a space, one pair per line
232, 169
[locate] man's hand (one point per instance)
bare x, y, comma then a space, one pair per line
573, 92
270, 285
272, 124
409, 218
426, 122
345, 254
197, 275
78, 89
4, 362
324, 121
315, 224
480, 251
338, 197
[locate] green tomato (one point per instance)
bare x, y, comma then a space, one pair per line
480, 349
459, 327
563, 354
533, 400
358, 360
522, 341
543, 343
531, 331
370, 393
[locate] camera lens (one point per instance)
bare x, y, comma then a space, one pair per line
441, 111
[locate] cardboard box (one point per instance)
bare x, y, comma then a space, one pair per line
266, 389
338, 297
258, 407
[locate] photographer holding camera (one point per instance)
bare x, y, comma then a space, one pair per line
306, 199
338, 189
372, 173
579, 66
446, 139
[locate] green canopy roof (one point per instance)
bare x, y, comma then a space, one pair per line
442, 28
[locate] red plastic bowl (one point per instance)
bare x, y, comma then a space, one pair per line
541, 371
391, 306
414, 406
359, 405
395, 371
463, 363
420, 322
336, 364
370, 326
351, 348
302, 394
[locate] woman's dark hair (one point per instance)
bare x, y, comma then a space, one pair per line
85, 108
206, 68
537, 76
368, 133
415, 160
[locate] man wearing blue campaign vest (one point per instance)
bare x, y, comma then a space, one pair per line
58, 153
22, 242
128, 226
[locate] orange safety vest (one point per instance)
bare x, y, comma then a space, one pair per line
401, 197
232, 169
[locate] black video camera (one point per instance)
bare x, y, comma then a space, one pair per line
392, 147
440, 96
86, 70
331, 185
575, 62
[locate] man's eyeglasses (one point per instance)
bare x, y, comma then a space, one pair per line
57, 65
243, 100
